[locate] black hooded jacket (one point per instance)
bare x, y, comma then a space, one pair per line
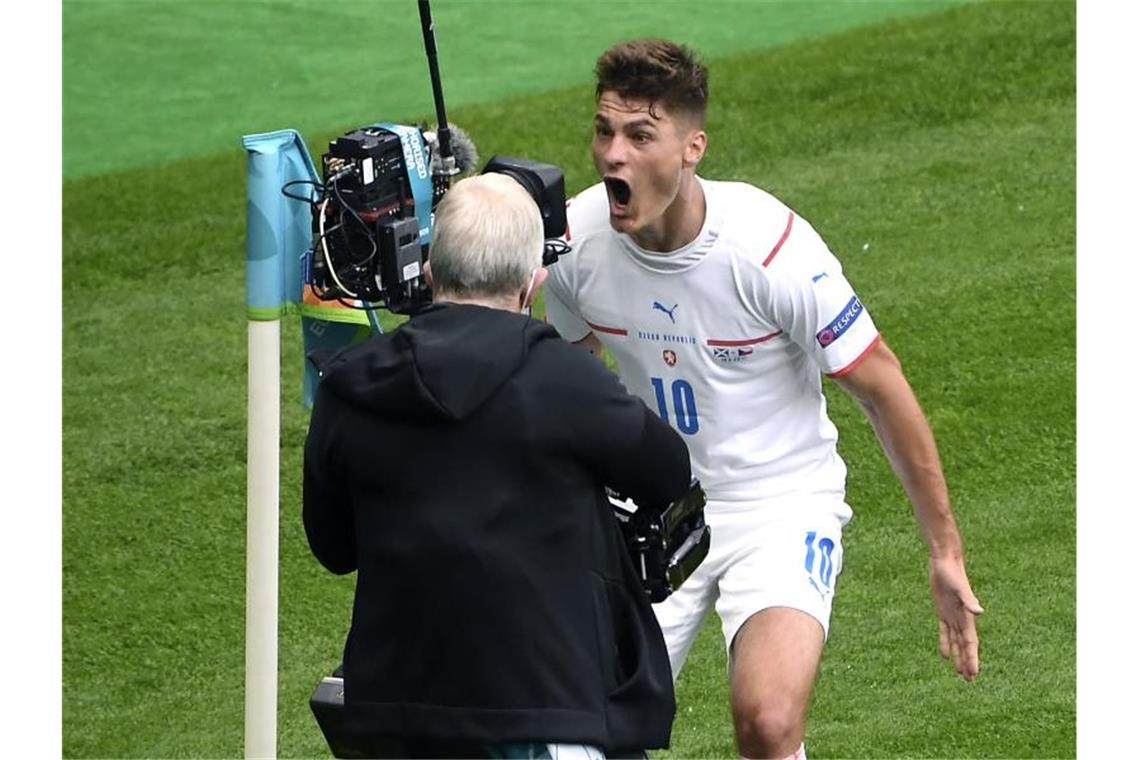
457, 464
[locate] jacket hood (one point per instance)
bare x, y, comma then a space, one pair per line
442, 364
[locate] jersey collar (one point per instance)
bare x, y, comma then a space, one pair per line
687, 256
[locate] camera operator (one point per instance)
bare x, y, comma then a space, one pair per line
458, 464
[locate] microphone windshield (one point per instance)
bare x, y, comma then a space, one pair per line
462, 148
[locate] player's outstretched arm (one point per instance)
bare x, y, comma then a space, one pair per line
880, 387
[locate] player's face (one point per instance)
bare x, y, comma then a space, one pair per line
643, 158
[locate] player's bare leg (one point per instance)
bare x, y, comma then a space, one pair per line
775, 657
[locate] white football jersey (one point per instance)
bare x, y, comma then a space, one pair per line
725, 338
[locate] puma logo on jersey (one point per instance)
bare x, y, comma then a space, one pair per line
657, 305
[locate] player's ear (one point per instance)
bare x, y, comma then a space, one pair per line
695, 143
427, 273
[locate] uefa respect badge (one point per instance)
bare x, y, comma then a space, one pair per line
841, 323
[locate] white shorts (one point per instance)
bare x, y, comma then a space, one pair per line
785, 554
544, 751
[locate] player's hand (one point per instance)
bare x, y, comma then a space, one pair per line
957, 607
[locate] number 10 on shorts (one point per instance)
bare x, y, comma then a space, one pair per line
684, 404
818, 562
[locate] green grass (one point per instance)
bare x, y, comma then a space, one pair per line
147, 83
943, 143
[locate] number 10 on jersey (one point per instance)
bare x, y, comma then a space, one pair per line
684, 404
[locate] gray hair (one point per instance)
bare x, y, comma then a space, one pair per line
487, 239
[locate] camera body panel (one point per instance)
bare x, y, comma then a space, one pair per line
372, 225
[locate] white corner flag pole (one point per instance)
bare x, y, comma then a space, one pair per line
262, 499
266, 251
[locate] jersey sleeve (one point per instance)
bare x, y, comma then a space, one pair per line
561, 311
560, 292
812, 301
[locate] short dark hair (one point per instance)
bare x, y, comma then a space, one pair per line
656, 70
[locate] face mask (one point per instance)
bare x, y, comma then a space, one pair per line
526, 298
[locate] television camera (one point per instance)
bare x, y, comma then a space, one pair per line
372, 219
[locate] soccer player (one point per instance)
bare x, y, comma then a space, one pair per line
723, 307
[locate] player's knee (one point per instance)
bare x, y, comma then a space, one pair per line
772, 728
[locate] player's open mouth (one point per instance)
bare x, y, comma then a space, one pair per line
619, 192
